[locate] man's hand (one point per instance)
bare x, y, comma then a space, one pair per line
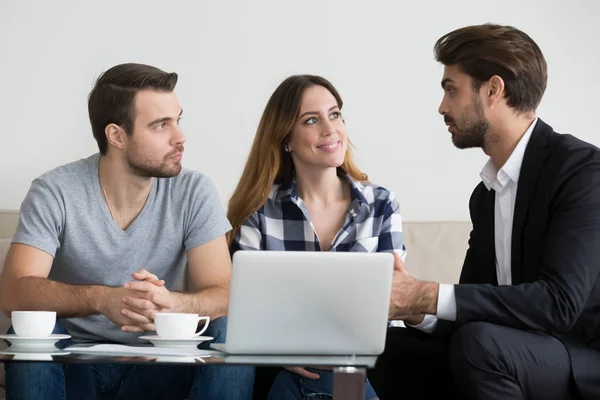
149, 296
410, 297
112, 305
399, 268
143, 275
303, 372
414, 319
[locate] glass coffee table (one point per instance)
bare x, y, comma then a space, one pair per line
349, 372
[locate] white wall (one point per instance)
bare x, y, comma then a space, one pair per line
232, 54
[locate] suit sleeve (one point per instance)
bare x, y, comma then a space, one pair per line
570, 262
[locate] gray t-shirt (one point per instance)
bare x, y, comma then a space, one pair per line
64, 214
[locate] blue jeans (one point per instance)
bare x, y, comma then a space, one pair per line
125, 381
291, 386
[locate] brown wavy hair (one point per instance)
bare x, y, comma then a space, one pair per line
268, 163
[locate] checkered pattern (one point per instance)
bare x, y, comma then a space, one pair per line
373, 223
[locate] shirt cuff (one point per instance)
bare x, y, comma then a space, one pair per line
427, 325
446, 306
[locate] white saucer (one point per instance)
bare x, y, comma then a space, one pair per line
31, 356
192, 342
29, 344
180, 360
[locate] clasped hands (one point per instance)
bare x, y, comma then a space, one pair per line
133, 305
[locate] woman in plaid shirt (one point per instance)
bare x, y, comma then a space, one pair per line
300, 190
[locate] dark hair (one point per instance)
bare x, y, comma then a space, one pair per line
483, 51
111, 101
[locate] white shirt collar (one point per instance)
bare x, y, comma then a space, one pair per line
511, 168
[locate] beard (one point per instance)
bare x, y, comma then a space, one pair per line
147, 166
472, 128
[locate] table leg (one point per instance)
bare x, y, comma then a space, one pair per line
349, 383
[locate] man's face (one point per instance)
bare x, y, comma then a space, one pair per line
463, 110
155, 147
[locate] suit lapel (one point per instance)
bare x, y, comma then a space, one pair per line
533, 162
479, 266
489, 274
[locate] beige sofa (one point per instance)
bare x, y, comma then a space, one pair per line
435, 251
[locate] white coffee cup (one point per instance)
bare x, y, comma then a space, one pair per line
33, 323
178, 325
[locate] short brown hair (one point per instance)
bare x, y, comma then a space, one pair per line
483, 51
111, 101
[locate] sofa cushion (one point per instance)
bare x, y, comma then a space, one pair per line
435, 251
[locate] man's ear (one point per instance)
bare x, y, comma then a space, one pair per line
116, 136
495, 90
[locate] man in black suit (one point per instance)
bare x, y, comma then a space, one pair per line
524, 321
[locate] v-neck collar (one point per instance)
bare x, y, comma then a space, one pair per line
104, 208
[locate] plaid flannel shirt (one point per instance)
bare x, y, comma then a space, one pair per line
373, 223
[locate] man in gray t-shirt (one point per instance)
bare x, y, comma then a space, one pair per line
104, 242
64, 215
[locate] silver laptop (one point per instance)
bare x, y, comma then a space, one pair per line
308, 303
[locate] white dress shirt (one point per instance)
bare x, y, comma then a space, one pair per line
504, 182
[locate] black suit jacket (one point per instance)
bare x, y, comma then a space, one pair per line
555, 252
